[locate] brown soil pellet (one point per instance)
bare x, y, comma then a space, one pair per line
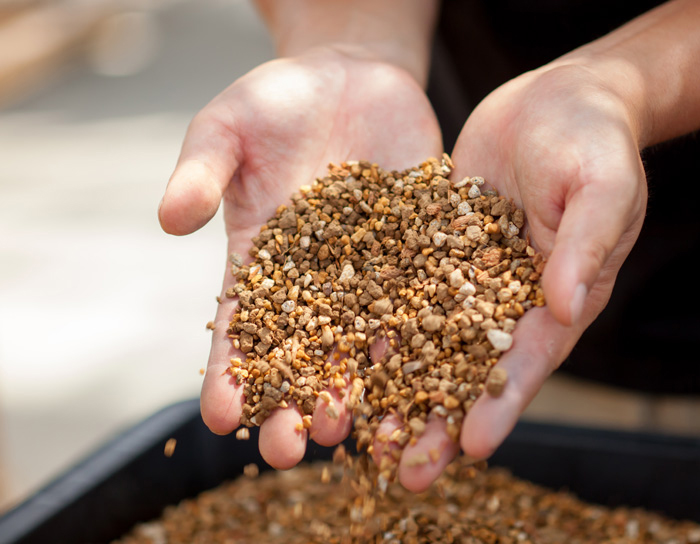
434, 267
169, 448
242, 434
324, 503
496, 381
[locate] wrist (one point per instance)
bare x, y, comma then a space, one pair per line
397, 32
363, 52
417, 64
650, 63
621, 81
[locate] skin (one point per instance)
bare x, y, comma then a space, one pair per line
563, 141
585, 193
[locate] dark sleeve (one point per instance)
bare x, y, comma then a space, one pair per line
648, 336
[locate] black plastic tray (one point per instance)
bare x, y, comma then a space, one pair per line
130, 479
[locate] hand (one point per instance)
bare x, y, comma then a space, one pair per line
273, 130
565, 148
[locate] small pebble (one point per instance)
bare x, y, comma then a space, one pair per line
347, 273
467, 289
500, 340
456, 278
464, 208
243, 433
439, 239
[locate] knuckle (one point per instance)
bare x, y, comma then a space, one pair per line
596, 253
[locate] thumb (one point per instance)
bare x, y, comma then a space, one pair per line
597, 222
207, 163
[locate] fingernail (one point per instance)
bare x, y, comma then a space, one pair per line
577, 302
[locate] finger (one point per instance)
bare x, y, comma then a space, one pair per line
221, 398
207, 164
595, 222
422, 462
281, 445
434, 445
384, 448
540, 343
332, 420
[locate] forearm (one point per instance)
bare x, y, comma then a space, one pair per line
653, 64
395, 31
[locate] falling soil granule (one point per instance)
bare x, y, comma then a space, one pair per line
251, 470
169, 448
436, 268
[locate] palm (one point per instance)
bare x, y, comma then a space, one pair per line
272, 131
294, 118
562, 149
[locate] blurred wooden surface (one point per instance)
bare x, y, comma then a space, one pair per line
11, 8
36, 37
574, 401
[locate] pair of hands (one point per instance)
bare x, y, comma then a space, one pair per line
556, 140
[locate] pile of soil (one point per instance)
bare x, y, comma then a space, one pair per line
326, 503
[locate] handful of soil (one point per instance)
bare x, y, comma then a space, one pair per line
435, 268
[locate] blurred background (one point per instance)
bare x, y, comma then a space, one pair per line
102, 315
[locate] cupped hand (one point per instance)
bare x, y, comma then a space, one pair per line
563, 146
273, 130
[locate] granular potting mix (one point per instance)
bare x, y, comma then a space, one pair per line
438, 272
435, 270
